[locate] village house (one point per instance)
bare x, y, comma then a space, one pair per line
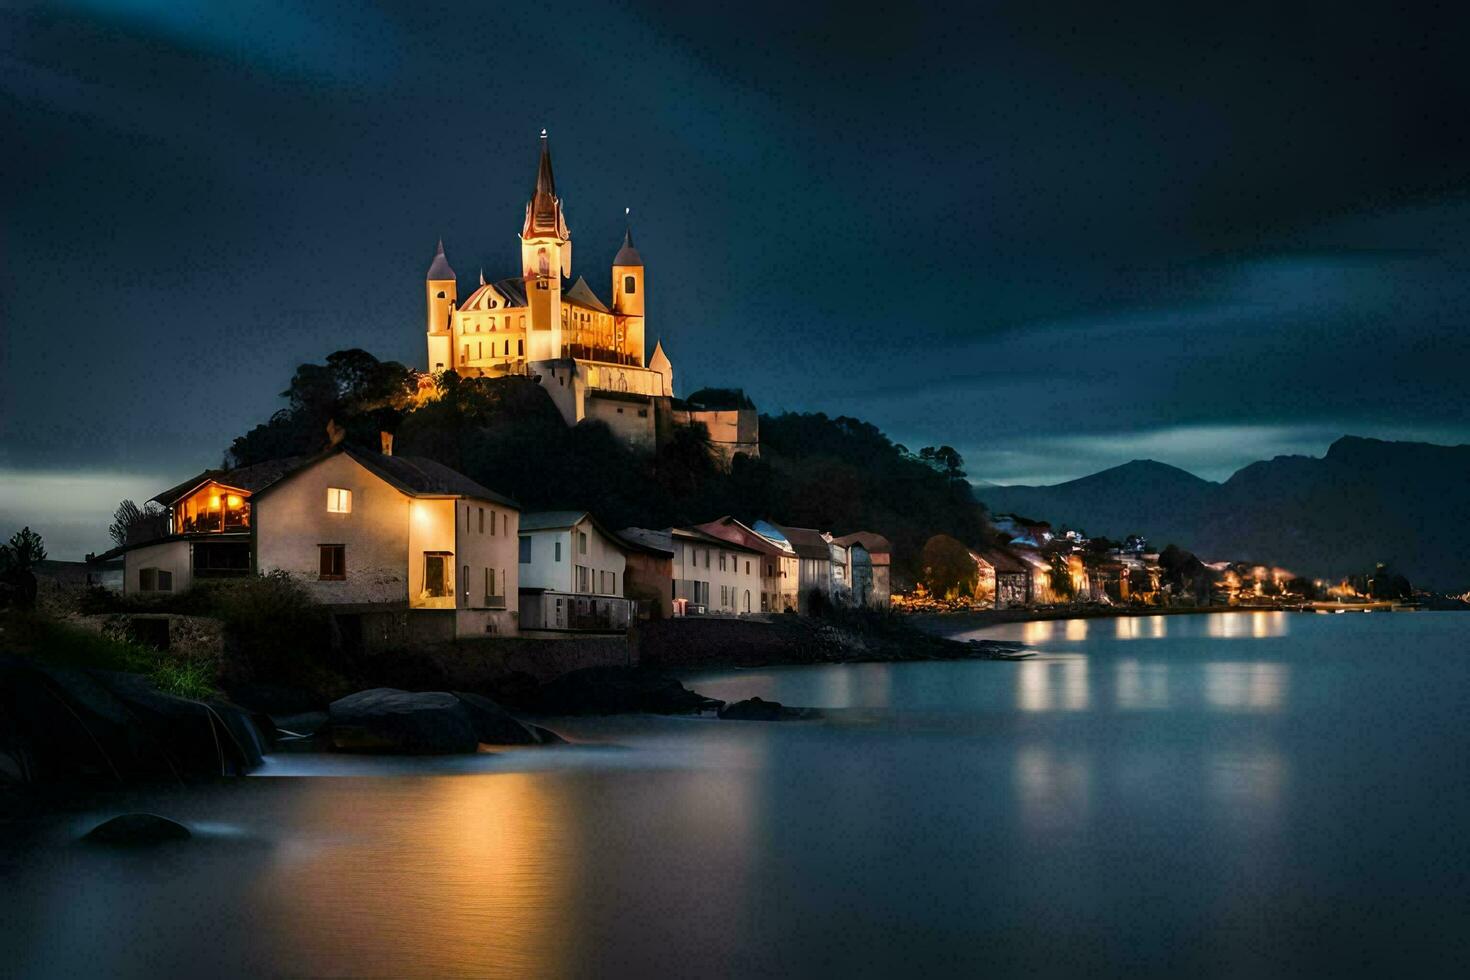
207, 533
369, 533
869, 562
1039, 571
813, 550
1007, 577
712, 576
572, 573
778, 568
650, 574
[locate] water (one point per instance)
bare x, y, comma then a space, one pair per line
1250, 794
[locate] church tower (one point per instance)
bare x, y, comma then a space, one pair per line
441, 292
546, 257
628, 297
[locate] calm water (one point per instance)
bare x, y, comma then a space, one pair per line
1243, 795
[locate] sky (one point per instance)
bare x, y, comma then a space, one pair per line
1054, 236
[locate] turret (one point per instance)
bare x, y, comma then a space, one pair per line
441, 292
628, 295
546, 257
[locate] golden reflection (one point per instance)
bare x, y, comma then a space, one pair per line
1246, 686
1139, 685
469, 875
1040, 631
1052, 685
1259, 624
1127, 628
1158, 627
1076, 629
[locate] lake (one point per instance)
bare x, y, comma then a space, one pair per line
1245, 794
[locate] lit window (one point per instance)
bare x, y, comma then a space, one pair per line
339, 501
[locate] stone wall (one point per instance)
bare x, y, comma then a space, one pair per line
183, 635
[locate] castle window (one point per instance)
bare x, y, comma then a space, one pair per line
521, 347
507, 348
543, 263
441, 294
630, 285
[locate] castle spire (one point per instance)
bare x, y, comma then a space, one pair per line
628, 255
439, 269
543, 212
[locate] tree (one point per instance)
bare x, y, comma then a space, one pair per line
948, 569
18, 559
133, 523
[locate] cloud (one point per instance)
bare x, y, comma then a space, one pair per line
70, 509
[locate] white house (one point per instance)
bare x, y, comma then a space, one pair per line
573, 573
368, 532
778, 567
714, 576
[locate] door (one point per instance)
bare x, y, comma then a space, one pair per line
435, 575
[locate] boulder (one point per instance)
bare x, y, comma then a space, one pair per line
138, 829
385, 719
493, 724
618, 690
752, 709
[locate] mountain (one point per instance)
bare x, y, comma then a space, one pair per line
1366, 501
1142, 497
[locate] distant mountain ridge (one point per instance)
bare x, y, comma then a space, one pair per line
1365, 501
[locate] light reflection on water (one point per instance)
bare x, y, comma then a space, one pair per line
1076, 813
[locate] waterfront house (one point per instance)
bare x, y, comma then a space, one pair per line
1011, 577
712, 576
778, 566
206, 533
416, 547
649, 578
813, 549
572, 574
869, 562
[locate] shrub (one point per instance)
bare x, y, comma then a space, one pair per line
272, 625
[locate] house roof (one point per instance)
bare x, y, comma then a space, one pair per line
252, 479
695, 534
581, 294
873, 544
551, 520
416, 476
1004, 561
729, 529
650, 539
806, 542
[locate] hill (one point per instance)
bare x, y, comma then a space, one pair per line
1365, 501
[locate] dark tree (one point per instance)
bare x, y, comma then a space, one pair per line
133, 523
18, 559
948, 568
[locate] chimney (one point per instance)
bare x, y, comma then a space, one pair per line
335, 433
387, 442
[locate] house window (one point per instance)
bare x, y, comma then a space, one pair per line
333, 562
706, 558
507, 348
155, 580
584, 579
643, 413
630, 285
466, 352
581, 542
489, 584
558, 551
520, 348
339, 501
482, 521
747, 568
722, 561
465, 578
436, 574
525, 549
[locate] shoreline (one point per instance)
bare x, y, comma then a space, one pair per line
950, 623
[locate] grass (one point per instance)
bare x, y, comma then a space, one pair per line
57, 643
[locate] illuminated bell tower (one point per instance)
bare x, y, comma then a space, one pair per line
628, 296
546, 257
441, 292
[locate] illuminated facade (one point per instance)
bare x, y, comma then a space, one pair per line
590, 356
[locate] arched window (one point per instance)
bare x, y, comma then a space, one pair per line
441, 294
630, 285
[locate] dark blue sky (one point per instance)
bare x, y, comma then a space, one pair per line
1057, 237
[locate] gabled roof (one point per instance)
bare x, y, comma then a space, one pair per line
650, 540
729, 529
1003, 561
806, 542
873, 544
252, 479
415, 476
551, 520
694, 534
582, 294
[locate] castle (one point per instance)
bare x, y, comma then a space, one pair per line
588, 355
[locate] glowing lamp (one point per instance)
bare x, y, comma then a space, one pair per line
214, 502
234, 500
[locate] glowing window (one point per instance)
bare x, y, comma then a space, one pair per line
339, 501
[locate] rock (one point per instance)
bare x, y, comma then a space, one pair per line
138, 829
753, 709
385, 719
96, 724
546, 736
493, 724
617, 690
